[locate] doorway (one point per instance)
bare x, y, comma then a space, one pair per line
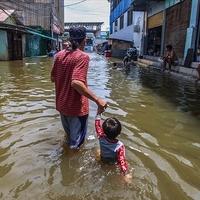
154, 41
14, 45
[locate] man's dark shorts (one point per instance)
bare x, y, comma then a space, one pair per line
76, 129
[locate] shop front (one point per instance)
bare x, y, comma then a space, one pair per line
177, 22
155, 28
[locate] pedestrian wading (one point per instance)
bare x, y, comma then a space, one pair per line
69, 73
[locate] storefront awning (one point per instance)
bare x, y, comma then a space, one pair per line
156, 20
41, 35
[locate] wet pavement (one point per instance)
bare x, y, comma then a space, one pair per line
160, 115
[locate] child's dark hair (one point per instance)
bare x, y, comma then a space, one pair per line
112, 128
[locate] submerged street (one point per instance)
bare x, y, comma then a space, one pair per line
160, 115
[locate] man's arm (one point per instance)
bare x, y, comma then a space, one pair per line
80, 87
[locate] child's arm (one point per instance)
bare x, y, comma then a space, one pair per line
98, 126
123, 165
121, 160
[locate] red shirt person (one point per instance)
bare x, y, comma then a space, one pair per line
69, 74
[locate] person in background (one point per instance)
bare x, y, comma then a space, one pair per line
69, 73
170, 58
111, 149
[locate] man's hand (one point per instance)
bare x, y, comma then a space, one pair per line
102, 105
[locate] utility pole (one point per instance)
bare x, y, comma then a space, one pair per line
51, 21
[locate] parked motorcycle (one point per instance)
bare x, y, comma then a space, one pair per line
131, 55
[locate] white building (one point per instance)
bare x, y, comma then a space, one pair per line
126, 27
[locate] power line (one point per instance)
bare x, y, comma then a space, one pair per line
76, 3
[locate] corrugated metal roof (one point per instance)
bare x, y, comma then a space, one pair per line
4, 14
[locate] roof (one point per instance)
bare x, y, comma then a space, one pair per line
4, 14
83, 23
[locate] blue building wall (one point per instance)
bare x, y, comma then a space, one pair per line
119, 10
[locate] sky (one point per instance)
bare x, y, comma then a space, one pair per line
90, 10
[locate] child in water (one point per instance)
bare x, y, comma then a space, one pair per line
112, 150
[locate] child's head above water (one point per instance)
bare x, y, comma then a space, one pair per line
112, 128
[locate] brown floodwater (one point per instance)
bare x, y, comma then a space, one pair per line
160, 114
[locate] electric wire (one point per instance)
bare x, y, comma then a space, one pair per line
76, 3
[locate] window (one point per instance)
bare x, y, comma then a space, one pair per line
114, 4
116, 25
121, 22
111, 30
130, 17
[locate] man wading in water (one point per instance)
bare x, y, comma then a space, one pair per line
69, 74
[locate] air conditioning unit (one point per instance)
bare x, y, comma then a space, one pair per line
136, 28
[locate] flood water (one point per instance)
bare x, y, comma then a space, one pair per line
160, 115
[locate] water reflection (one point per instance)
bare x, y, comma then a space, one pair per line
160, 117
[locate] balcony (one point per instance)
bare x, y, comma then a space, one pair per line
142, 5
139, 5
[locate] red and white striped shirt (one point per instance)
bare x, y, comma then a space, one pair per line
70, 66
111, 149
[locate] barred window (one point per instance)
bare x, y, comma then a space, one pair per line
130, 17
121, 22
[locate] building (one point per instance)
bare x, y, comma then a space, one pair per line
193, 32
12, 36
165, 24
102, 38
42, 21
126, 27
161, 23
91, 27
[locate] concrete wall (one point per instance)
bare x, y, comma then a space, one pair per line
3, 45
138, 21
